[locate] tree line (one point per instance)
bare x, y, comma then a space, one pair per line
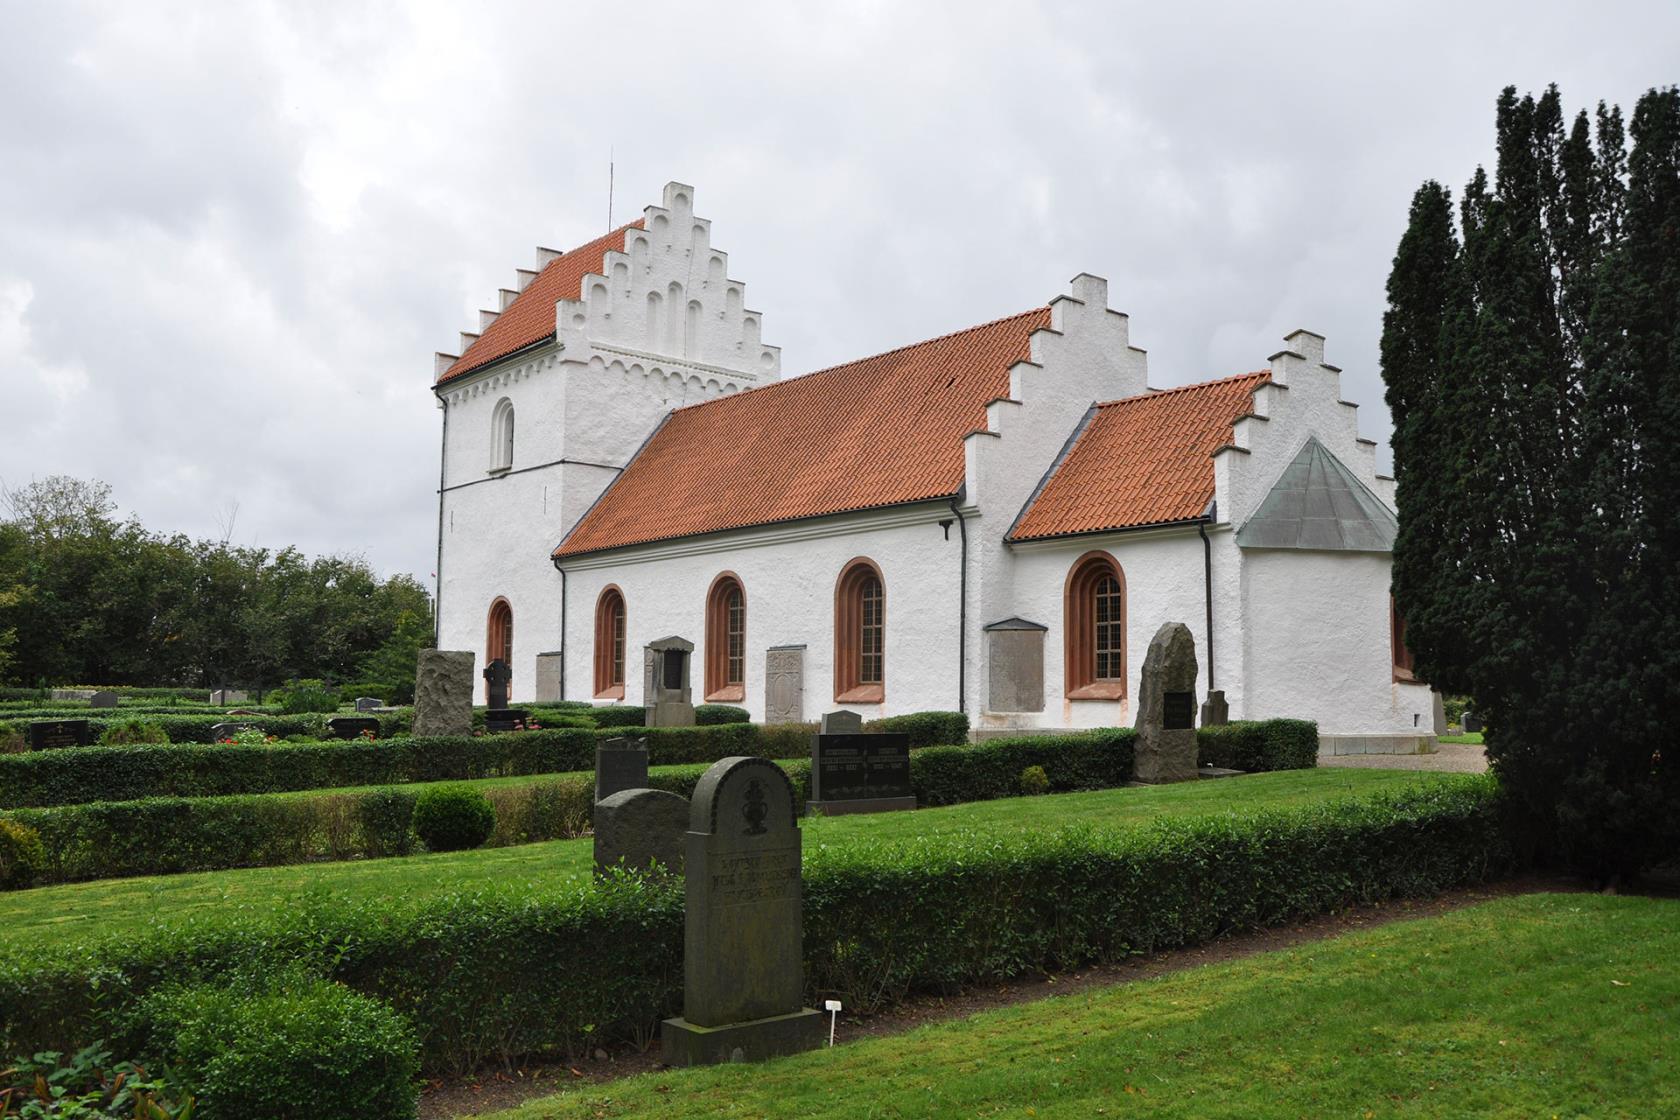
87, 598
1531, 351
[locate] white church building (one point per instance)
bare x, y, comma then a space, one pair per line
995, 521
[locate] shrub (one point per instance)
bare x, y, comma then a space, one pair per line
473, 970
709, 715
130, 732
1257, 745
87, 1086
619, 715
11, 739
305, 696
925, 729
1097, 759
1034, 781
302, 1047
387, 820
453, 818
22, 855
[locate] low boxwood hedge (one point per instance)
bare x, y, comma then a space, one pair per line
1272, 744
477, 973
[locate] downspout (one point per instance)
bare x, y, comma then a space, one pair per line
437, 576
563, 653
1207, 579
962, 609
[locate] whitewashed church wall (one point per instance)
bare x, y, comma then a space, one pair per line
789, 587
1317, 644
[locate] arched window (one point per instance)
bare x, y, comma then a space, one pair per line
726, 640
1399, 652
501, 436
609, 644
1094, 629
498, 636
860, 634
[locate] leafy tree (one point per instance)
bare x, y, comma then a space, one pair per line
1532, 363
392, 664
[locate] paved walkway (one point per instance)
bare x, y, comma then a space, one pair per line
1465, 758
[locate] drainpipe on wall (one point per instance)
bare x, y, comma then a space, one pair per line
562, 571
1207, 579
962, 609
437, 576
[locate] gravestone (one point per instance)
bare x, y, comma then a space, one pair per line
352, 727
368, 703
220, 731
1470, 722
46, 735
222, 697
496, 678
505, 719
1215, 711
1015, 665
640, 830
665, 682
550, 666
102, 700
443, 692
784, 684
743, 947
1165, 748
620, 764
1438, 713
856, 773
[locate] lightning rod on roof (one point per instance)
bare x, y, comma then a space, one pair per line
609, 188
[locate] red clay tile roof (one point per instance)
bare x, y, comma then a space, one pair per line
530, 318
876, 432
1144, 460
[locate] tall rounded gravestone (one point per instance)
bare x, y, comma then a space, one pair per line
743, 947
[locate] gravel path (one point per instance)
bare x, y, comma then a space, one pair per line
1464, 758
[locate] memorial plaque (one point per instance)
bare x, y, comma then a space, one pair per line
784, 684
46, 735
352, 727
1178, 711
860, 774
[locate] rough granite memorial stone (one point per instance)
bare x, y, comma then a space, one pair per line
443, 692
46, 735
743, 945
620, 764
640, 829
102, 700
666, 691
784, 684
1165, 748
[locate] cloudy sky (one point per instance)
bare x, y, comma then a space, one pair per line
232, 236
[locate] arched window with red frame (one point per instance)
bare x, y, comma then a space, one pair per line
726, 640
860, 634
609, 644
1094, 629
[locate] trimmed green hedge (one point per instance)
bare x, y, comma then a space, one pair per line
1260, 745
925, 729
475, 972
710, 715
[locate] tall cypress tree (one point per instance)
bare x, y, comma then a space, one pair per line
1533, 370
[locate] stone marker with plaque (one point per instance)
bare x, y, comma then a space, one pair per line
55, 734
1166, 723
743, 945
352, 727
620, 764
856, 773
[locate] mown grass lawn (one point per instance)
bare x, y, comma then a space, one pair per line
112, 907
1533, 1006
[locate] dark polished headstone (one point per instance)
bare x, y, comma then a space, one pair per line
1470, 722
220, 731
103, 700
860, 774
640, 830
620, 764
743, 949
46, 735
351, 727
496, 676
505, 719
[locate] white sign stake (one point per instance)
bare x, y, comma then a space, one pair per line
832, 1006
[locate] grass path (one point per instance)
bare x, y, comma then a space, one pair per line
114, 906
1539, 1005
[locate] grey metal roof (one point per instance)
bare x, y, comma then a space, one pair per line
1317, 503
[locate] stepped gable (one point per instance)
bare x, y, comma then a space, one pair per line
1144, 460
529, 318
880, 431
